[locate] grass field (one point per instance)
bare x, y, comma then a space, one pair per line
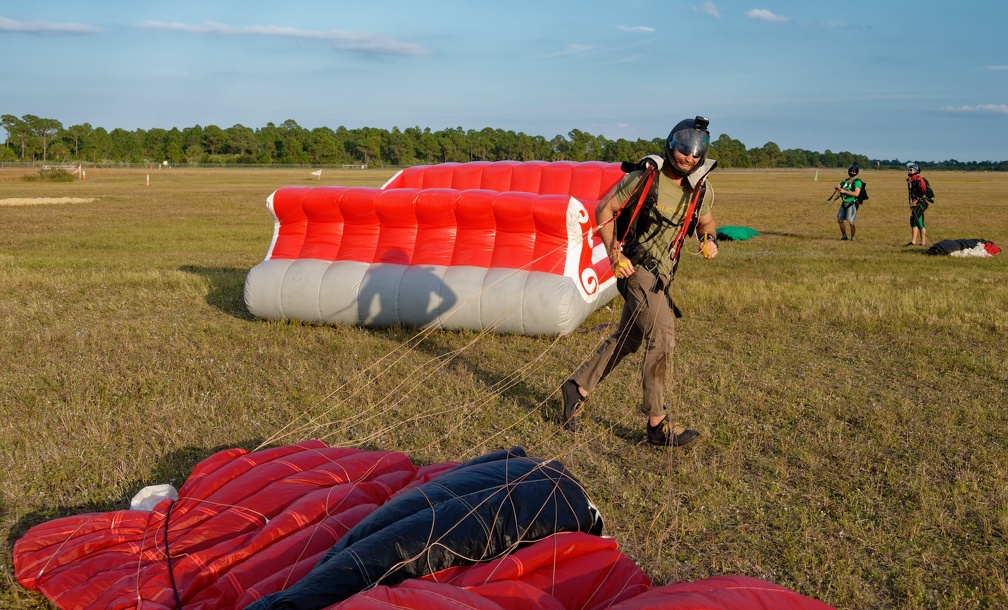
851, 395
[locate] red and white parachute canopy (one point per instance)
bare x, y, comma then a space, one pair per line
506, 246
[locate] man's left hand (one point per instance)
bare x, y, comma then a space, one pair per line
708, 248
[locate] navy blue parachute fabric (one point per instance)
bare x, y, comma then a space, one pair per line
477, 511
949, 246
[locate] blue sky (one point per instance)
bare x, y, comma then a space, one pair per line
921, 80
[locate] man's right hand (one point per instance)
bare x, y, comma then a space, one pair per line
621, 265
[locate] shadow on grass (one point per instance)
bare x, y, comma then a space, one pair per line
174, 468
632, 435
227, 289
776, 234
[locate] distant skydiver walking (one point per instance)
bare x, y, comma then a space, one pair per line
918, 194
849, 190
643, 221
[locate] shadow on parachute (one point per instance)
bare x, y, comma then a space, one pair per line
379, 298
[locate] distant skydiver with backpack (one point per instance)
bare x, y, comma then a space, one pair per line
643, 222
849, 190
917, 193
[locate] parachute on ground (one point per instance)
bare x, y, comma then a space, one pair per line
312, 526
732, 233
506, 246
965, 248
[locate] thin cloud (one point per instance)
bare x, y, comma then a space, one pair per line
762, 14
45, 27
980, 109
636, 28
571, 50
629, 59
339, 39
587, 52
995, 67
710, 8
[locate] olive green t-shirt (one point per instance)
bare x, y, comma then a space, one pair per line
673, 200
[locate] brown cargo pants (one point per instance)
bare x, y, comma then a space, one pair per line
646, 319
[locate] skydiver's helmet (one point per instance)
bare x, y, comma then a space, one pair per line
853, 170
689, 137
913, 168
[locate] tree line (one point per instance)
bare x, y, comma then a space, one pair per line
32, 139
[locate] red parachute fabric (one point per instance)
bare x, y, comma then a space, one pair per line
246, 525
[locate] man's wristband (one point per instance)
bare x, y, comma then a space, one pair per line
708, 237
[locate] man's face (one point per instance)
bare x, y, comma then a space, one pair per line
684, 162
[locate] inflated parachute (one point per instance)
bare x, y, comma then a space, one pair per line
506, 246
312, 526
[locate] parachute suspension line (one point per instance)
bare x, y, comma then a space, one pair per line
457, 409
287, 431
171, 573
139, 557
418, 377
223, 505
442, 361
641, 188
425, 370
59, 550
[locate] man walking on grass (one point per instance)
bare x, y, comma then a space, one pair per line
643, 221
849, 190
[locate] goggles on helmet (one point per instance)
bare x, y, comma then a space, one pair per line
691, 142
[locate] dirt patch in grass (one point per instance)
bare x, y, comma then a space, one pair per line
44, 200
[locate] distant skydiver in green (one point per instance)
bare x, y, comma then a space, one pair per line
849, 190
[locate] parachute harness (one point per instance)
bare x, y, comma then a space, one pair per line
640, 190
644, 186
687, 221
